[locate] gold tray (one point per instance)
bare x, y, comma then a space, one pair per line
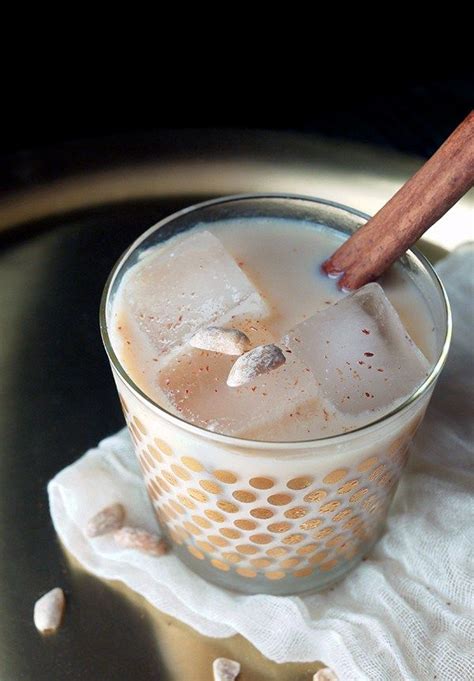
60, 230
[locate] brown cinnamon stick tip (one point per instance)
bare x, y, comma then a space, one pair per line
329, 268
350, 282
417, 205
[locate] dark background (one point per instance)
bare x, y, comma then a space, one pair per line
57, 396
409, 112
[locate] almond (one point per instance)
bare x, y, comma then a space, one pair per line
225, 670
218, 339
135, 538
325, 674
48, 611
260, 360
106, 520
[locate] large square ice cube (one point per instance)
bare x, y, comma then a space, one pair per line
360, 352
175, 290
194, 382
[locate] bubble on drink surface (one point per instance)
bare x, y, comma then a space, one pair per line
360, 353
175, 290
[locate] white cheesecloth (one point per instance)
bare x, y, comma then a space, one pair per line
406, 613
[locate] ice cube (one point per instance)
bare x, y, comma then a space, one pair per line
360, 353
194, 382
175, 290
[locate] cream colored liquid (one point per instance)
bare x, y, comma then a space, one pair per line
282, 259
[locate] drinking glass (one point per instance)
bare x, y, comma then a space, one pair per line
271, 517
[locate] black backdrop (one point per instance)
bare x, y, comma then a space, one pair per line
51, 359
412, 114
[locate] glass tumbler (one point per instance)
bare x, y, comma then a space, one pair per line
271, 517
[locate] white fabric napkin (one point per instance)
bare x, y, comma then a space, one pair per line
403, 614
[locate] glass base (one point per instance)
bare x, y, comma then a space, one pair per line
290, 585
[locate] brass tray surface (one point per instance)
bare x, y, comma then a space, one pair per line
62, 226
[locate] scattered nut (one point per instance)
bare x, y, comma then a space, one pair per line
260, 360
225, 670
48, 611
110, 518
134, 538
325, 674
218, 339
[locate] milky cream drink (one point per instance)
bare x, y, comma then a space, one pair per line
276, 264
298, 492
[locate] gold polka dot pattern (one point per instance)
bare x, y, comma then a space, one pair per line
230, 533
279, 527
297, 512
305, 572
202, 522
244, 496
248, 549
278, 574
210, 486
289, 563
299, 483
191, 463
197, 495
277, 552
261, 483
225, 476
245, 524
220, 565
215, 515
279, 499
231, 557
246, 572
264, 513
311, 524
261, 538
195, 552
227, 506
261, 562
261, 526
335, 476
315, 496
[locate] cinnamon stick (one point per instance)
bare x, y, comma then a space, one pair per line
420, 202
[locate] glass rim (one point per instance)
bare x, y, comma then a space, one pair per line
246, 443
